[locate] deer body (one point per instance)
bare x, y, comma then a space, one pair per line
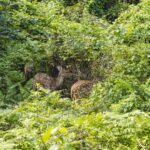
48, 82
81, 89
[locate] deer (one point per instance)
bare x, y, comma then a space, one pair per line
81, 89
28, 70
49, 82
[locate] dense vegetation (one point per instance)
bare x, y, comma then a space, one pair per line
106, 40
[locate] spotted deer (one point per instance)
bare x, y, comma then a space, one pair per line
51, 83
28, 70
81, 89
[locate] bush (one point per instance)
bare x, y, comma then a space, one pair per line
46, 121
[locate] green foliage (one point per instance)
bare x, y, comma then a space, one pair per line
75, 34
109, 9
121, 94
132, 26
46, 121
126, 88
41, 33
47, 31
133, 60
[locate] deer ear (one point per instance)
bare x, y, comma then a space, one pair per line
59, 68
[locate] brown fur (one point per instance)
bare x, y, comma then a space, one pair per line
27, 71
81, 89
48, 82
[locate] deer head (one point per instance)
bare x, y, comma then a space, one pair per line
28, 70
63, 73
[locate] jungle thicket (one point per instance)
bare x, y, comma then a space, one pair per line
105, 40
